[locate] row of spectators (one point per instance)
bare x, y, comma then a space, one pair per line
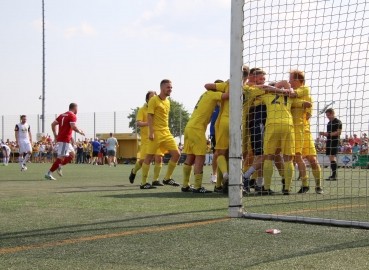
348, 145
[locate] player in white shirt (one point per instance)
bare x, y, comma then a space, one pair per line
23, 138
6, 153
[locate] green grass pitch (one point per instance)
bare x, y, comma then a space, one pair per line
93, 218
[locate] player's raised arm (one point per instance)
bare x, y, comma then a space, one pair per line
210, 86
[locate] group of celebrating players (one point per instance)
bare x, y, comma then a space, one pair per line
276, 129
275, 122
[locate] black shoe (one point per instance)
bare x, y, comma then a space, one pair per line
171, 182
132, 177
225, 185
201, 190
331, 178
283, 184
146, 186
219, 189
303, 190
252, 183
286, 192
257, 188
319, 190
264, 191
187, 189
157, 183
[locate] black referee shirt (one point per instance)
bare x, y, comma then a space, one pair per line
333, 126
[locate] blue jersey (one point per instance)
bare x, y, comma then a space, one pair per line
213, 120
95, 146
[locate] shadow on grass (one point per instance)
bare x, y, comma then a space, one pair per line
72, 229
177, 194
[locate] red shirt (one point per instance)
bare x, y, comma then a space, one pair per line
65, 130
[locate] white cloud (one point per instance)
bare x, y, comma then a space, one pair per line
81, 30
38, 24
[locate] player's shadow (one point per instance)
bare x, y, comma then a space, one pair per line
22, 180
176, 194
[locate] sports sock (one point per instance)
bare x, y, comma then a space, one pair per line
55, 165
145, 173
288, 174
187, 169
260, 181
305, 181
222, 164
198, 180
20, 160
171, 166
317, 173
26, 158
219, 178
66, 160
249, 172
137, 167
157, 170
334, 168
268, 173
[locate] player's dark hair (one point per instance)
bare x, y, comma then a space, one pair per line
72, 106
23, 116
164, 82
330, 110
257, 71
148, 95
218, 81
298, 75
245, 72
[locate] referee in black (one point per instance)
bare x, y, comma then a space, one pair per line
334, 129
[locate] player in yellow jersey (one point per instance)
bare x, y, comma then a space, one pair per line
159, 135
141, 120
279, 133
305, 147
195, 139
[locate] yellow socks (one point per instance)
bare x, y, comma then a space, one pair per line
288, 174
145, 173
137, 167
171, 166
157, 170
317, 173
305, 181
187, 169
198, 180
222, 164
268, 173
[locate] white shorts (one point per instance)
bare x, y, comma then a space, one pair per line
24, 147
64, 149
6, 153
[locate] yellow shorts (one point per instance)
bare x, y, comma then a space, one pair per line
299, 138
279, 136
222, 136
143, 150
163, 141
309, 147
194, 142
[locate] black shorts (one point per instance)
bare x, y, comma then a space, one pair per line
213, 142
331, 148
257, 137
95, 153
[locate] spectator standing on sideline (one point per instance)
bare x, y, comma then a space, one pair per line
357, 139
112, 145
334, 129
214, 164
95, 151
79, 154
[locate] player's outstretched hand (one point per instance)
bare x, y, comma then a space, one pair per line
82, 132
151, 137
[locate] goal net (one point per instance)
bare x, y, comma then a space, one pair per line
328, 42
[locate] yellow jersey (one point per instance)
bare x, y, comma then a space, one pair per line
160, 110
224, 107
203, 111
310, 111
279, 108
303, 93
142, 117
249, 94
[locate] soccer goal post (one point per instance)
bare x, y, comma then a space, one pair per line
327, 42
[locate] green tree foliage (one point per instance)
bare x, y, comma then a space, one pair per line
177, 123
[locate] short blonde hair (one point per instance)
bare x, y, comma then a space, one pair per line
298, 75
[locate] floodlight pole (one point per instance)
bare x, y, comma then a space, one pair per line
43, 67
235, 106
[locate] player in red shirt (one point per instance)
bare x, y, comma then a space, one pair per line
67, 123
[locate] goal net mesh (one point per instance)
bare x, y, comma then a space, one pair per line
328, 42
